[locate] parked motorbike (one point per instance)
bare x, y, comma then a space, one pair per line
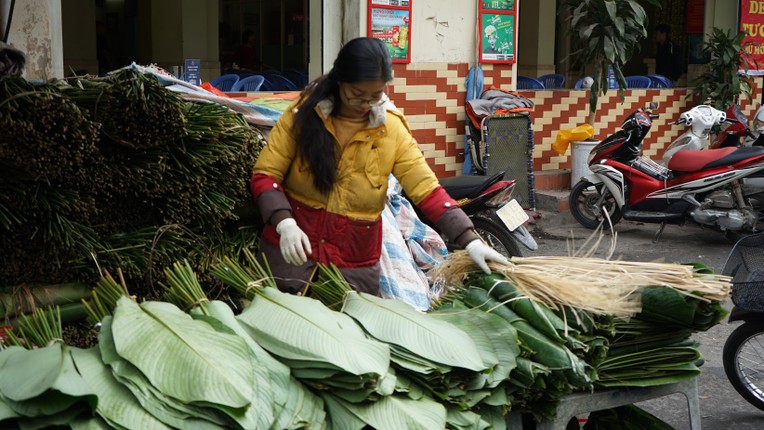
703, 186
733, 130
497, 217
699, 121
743, 353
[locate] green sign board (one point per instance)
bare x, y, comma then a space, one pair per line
497, 37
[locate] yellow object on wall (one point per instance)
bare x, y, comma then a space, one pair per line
564, 137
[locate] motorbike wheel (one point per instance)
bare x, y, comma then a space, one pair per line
583, 204
742, 358
497, 237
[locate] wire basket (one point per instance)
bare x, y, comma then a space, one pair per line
749, 295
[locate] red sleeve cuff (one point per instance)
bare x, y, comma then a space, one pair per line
436, 204
261, 183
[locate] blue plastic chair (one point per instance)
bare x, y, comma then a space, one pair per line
660, 81
276, 82
250, 83
528, 83
637, 82
299, 77
553, 80
225, 82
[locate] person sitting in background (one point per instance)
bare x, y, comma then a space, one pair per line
321, 181
668, 58
246, 56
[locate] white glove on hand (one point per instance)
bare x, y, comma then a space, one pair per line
480, 253
294, 242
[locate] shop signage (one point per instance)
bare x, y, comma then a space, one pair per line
752, 21
498, 35
192, 69
696, 10
390, 21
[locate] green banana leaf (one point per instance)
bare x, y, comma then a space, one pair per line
490, 333
654, 357
166, 409
300, 328
495, 416
42, 381
649, 381
116, 405
668, 307
58, 420
457, 419
262, 406
183, 358
546, 351
395, 322
539, 316
6, 412
389, 413
410, 361
89, 423
288, 394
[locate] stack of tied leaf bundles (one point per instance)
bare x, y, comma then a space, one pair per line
289, 361
118, 171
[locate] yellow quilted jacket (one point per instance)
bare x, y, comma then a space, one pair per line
385, 146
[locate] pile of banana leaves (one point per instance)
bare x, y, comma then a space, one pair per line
288, 361
118, 171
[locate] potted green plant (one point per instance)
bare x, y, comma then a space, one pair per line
605, 34
721, 84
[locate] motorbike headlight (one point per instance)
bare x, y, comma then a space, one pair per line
758, 124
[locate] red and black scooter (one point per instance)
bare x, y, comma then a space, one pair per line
736, 132
702, 186
497, 217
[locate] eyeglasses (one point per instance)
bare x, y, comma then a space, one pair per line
357, 101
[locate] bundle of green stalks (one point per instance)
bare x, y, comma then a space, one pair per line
594, 285
119, 172
133, 108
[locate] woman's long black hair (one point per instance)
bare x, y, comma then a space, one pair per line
362, 59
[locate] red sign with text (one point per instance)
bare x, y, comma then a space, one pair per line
752, 21
696, 10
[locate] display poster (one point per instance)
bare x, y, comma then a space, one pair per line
193, 69
497, 42
752, 22
505, 5
392, 26
391, 2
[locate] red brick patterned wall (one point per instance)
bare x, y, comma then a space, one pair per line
432, 98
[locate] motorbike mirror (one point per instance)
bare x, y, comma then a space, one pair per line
653, 105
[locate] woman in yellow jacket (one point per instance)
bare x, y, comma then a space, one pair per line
321, 180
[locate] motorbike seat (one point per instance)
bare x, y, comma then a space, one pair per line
741, 154
469, 186
692, 161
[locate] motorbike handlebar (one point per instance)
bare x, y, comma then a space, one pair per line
680, 121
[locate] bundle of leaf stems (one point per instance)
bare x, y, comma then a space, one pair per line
104, 298
246, 280
38, 331
183, 289
591, 284
330, 287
